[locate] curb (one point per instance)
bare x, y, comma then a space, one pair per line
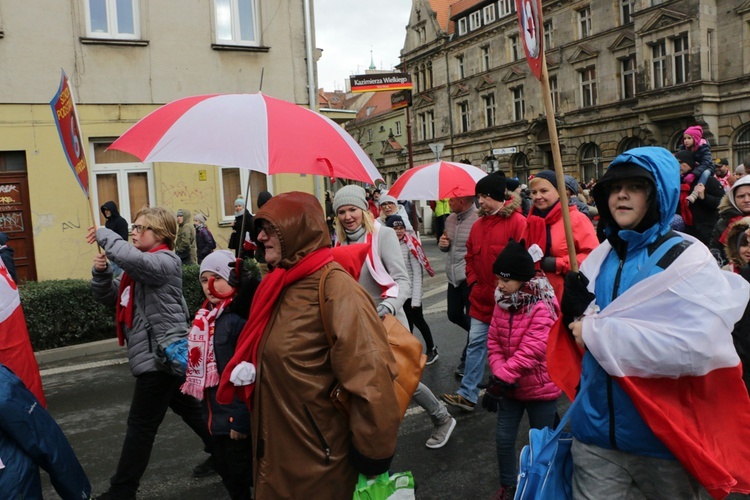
77, 351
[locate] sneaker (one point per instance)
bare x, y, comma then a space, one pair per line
458, 401
432, 356
459, 373
204, 469
507, 492
441, 434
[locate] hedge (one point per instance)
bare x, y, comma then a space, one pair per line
62, 312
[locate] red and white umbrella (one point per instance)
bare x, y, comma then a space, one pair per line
251, 131
437, 181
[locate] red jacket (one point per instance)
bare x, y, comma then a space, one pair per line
374, 208
487, 238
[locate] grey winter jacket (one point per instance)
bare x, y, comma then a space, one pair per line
157, 297
457, 228
414, 269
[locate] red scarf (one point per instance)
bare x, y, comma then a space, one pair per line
264, 301
415, 247
536, 231
723, 237
687, 215
124, 313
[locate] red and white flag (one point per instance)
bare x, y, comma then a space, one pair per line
667, 342
15, 347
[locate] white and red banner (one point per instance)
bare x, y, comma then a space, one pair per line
667, 341
15, 347
532, 29
64, 110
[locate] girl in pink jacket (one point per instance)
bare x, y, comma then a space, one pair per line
525, 310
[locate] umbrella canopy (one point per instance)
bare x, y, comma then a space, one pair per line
251, 131
437, 181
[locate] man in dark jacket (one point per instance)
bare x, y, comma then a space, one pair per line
115, 221
702, 202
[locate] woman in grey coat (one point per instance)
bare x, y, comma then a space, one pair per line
148, 300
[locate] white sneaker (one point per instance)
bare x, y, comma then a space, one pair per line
441, 434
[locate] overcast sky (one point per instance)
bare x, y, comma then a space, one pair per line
346, 30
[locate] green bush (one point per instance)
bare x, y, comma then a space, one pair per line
62, 312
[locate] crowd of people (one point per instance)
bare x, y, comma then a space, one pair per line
648, 319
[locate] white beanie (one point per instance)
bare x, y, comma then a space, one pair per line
218, 262
350, 195
388, 199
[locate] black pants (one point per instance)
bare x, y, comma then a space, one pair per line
233, 460
458, 309
154, 392
415, 318
440, 226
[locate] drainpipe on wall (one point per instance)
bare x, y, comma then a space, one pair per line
312, 88
450, 104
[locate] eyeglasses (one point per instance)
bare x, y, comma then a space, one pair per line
390, 203
137, 228
268, 229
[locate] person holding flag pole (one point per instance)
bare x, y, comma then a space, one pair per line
665, 411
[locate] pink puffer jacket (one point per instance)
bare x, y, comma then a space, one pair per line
517, 350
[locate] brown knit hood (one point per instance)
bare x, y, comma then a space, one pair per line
300, 223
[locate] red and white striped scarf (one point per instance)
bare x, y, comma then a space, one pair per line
201, 369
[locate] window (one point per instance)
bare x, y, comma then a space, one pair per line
417, 80
489, 14
549, 30
369, 135
485, 58
521, 168
428, 75
113, 19
460, 66
555, 93
463, 116
584, 22
659, 64
237, 22
462, 26
427, 125
398, 127
710, 54
514, 47
627, 7
591, 161
587, 78
234, 182
475, 20
519, 108
742, 146
123, 178
627, 77
681, 59
507, 7
489, 110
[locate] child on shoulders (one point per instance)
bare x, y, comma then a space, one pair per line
693, 141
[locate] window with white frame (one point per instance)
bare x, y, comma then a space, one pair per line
587, 79
463, 116
237, 22
398, 127
659, 77
549, 39
427, 125
489, 110
489, 13
627, 77
627, 7
681, 59
515, 47
122, 178
507, 7
475, 20
584, 22
116, 19
237, 182
462, 26
485, 58
460, 67
519, 107
554, 93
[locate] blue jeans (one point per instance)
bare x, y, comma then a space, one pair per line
476, 357
541, 414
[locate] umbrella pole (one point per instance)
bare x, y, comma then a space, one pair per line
241, 240
554, 143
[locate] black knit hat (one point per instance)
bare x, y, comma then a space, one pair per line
549, 176
514, 262
492, 185
685, 156
394, 220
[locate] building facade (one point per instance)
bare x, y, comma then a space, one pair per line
623, 73
124, 59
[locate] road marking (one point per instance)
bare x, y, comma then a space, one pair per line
82, 366
439, 289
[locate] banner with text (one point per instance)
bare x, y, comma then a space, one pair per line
380, 82
401, 99
66, 119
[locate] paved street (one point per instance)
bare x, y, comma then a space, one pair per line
90, 399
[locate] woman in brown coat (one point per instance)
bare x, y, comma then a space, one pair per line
305, 448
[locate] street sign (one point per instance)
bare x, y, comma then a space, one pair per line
380, 82
505, 151
437, 148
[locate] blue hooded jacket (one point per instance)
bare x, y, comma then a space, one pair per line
606, 416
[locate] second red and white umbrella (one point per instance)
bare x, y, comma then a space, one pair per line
437, 181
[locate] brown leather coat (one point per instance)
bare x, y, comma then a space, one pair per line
304, 448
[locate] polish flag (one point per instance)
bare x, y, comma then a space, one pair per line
667, 342
15, 347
